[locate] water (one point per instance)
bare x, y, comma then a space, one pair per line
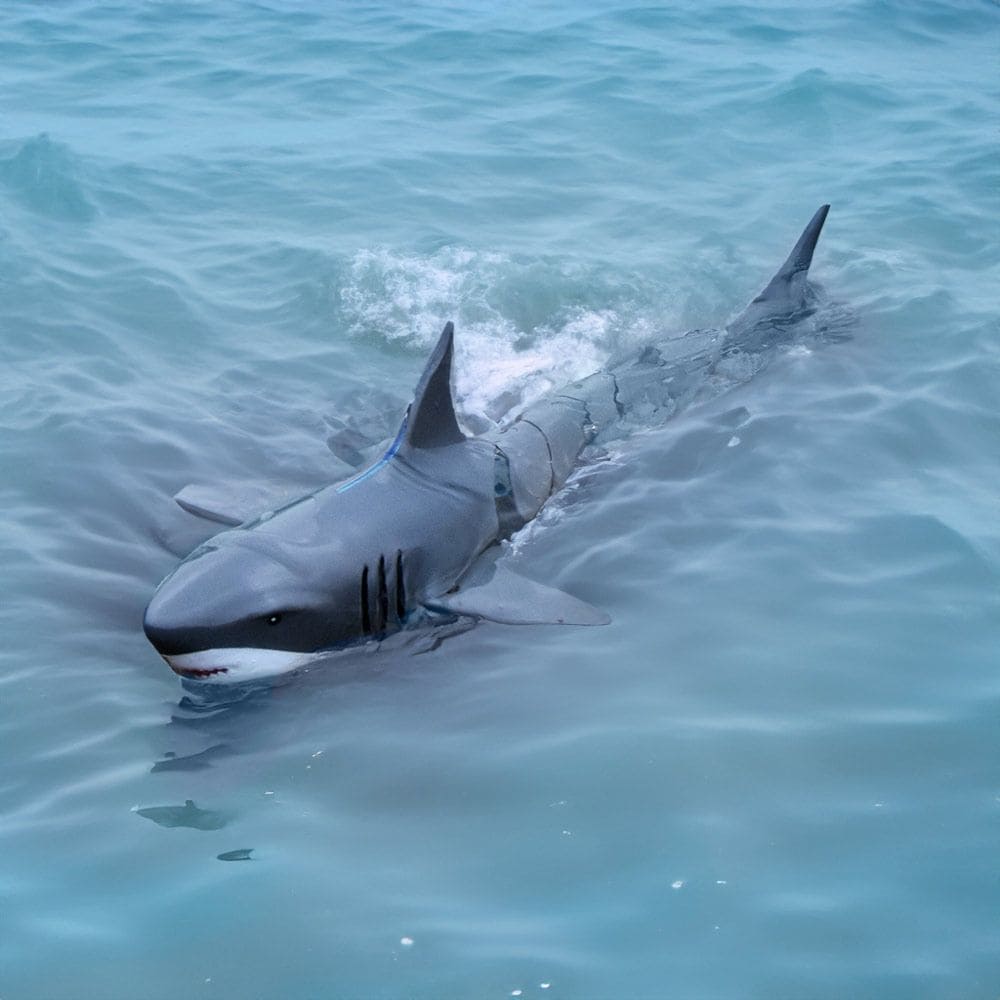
227, 228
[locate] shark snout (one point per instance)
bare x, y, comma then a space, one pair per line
202, 605
212, 655
169, 636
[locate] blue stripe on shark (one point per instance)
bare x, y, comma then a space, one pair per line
387, 457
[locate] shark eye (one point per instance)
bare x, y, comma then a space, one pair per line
273, 619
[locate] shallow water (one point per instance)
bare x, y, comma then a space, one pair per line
225, 228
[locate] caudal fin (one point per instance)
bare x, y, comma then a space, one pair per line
787, 293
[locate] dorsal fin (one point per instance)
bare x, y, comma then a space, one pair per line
431, 420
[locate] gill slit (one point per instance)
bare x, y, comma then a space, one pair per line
366, 618
400, 587
383, 596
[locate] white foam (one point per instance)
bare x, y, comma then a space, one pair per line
499, 366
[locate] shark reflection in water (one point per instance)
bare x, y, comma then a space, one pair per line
188, 815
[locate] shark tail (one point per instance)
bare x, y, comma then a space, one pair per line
787, 294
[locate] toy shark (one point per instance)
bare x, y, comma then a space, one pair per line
415, 534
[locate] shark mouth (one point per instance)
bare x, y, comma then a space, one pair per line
196, 674
233, 666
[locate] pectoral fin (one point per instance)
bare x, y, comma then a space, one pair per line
231, 505
498, 594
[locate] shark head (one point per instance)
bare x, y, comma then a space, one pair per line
246, 605
343, 565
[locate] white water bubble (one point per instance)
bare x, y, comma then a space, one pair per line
500, 367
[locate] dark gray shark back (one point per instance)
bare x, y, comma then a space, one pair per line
544, 442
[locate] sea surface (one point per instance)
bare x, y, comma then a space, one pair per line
230, 229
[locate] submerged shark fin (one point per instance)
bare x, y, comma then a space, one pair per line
230, 505
500, 595
787, 291
431, 420
205, 503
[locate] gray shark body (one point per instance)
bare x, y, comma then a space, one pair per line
415, 533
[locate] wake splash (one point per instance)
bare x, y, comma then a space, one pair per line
526, 328
517, 339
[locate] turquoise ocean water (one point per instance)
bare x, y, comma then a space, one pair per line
226, 228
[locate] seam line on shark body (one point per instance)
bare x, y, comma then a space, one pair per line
589, 427
548, 449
